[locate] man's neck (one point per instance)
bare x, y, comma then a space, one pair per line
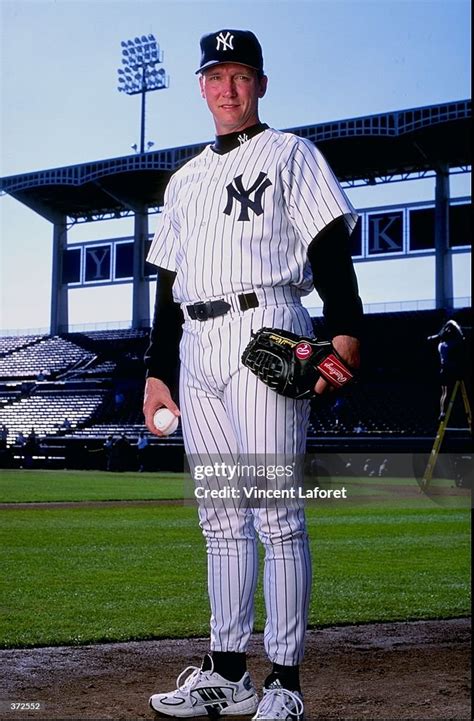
230, 141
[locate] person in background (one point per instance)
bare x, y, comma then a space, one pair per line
20, 440
3, 436
142, 450
109, 450
451, 350
31, 448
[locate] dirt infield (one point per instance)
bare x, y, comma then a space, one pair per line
416, 670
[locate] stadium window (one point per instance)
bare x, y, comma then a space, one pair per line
459, 225
422, 229
385, 232
97, 263
123, 260
72, 265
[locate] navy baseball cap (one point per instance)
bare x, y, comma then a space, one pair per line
231, 46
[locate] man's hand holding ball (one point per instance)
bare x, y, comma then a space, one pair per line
160, 411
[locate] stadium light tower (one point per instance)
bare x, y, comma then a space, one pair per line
139, 74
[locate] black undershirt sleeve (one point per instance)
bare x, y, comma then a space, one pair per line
162, 355
335, 280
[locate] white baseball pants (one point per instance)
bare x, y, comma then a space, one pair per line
227, 412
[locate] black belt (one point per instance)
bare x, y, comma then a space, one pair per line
214, 308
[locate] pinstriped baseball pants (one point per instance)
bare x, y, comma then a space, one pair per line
226, 412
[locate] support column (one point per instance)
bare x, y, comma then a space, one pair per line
140, 301
59, 292
444, 266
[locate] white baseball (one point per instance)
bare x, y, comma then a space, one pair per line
165, 421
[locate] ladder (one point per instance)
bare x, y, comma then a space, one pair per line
443, 427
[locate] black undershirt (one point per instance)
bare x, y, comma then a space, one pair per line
333, 275
225, 143
162, 355
335, 280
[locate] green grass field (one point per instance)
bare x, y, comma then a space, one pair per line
82, 574
30, 486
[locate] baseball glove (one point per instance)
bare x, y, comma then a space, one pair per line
291, 364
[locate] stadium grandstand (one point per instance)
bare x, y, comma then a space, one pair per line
77, 389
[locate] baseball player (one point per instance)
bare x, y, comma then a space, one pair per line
248, 227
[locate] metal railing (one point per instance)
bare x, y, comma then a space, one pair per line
389, 307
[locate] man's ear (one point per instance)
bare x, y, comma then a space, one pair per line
263, 82
201, 86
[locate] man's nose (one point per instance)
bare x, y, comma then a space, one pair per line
229, 87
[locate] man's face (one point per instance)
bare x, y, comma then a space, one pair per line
232, 92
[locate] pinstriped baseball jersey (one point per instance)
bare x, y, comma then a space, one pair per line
244, 219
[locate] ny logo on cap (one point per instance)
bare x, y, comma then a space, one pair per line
225, 42
236, 191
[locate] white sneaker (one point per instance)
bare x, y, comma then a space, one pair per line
203, 692
279, 703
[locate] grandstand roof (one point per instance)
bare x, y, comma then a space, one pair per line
367, 149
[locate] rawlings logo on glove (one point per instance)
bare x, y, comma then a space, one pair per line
290, 364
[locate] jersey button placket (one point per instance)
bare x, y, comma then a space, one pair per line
217, 170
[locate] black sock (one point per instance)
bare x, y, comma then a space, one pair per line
230, 664
289, 677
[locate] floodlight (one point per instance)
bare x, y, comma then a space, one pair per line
140, 57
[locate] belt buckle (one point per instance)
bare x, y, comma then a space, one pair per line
248, 301
201, 311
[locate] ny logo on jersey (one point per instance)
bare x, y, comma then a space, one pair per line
243, 137
225, 42
236, 191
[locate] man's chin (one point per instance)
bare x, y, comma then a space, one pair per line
225, 128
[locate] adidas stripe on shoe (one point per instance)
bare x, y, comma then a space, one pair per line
280, 703
203, 692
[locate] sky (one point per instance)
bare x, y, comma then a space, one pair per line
326, 60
